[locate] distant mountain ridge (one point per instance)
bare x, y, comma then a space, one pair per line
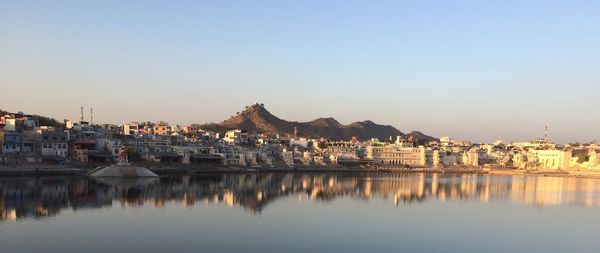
257, 119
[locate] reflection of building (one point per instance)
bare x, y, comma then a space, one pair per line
42, 197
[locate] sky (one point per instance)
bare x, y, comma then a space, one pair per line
475, 70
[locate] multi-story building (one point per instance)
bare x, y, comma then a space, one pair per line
18, 122
2, 122
80, 150
162, 129
471, 157
594, 158
11, 142
131, 129
553, 159
110, 145
448, 141
236, 136
444, 158
153, 148
288, 157
55, 143
232, 155
396, 155
14, 143
342, 150
207, 156
534, 144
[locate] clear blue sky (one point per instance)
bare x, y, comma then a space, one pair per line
479, 70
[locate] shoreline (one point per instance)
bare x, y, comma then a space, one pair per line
65, 170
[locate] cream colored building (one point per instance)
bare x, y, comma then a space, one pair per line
594, 159
342, 151
397, 155
552, 159
288, 157
162, 130
471, 157
236, 136
443, 158
535, 144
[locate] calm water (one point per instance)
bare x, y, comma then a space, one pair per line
314, 212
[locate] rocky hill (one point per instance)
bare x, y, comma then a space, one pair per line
257, 119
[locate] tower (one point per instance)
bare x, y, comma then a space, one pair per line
91, 116
546, 133
81, 118
295, 132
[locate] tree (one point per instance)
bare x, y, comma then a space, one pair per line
581, 158
322, 145
133, 156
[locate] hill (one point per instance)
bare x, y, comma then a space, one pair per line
257, 119
43, 120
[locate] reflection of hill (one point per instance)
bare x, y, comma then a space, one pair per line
42, 197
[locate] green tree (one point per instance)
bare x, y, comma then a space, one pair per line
133, 156
581, 158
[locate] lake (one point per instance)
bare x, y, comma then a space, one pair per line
301, 212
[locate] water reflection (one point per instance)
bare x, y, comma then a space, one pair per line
46, 196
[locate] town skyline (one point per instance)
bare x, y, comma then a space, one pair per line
299, 126
544, 133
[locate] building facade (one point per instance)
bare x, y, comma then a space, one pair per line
55, 144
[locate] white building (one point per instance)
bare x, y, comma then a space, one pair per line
544, 159
236, 136
554, 159
112, 145
299, 142
10, 124
131, 129
288, 157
